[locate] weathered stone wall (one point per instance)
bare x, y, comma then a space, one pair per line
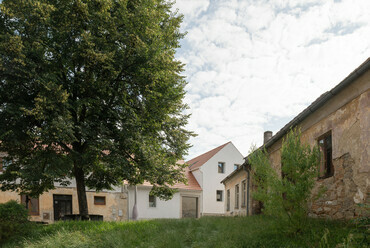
115, 208
347, 116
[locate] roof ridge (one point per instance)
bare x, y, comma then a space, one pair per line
204, 157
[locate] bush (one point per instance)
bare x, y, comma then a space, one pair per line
286, 196
13, 219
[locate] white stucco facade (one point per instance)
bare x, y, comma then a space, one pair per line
171, 209
209, 178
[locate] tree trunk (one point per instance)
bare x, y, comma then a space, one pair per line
81, 192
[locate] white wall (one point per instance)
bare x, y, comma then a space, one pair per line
163, 209
199, 177
211, 178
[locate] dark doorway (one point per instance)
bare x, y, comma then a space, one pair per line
189, 207
62, 206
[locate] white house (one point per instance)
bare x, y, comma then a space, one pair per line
209, 169
203, 195
185, 203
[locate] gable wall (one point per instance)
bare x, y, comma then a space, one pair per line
212, 179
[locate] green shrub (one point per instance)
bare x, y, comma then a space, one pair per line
13, 219
286, 196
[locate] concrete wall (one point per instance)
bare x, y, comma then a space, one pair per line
164, 209
212, 179
347, 116
114, 210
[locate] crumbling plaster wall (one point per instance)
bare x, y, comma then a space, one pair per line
115, 208
347, 116
238, 178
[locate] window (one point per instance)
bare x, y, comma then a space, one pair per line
236, 166
219, 195
244, 193
221, 167
99, 200
326, 164
32, 204
237, 196
4, 163
228, 201
152, 201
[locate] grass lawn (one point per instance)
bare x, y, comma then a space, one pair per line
255, 231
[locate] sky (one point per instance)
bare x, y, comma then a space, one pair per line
252, 66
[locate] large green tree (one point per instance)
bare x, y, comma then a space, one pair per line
91, 90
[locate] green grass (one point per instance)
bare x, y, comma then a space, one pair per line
255, 231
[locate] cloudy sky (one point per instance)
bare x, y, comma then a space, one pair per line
252, 66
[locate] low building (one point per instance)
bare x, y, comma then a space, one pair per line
339, 123
185, 203
237, 188
57, 203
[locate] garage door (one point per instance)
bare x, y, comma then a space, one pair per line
189, 207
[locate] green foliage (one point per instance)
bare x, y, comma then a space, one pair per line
253, 231
287, 196
13, 219
90, 89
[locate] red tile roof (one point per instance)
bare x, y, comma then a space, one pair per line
192, 182
197, 162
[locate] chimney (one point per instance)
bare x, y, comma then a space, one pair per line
267, 136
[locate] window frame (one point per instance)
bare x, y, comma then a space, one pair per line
326, 150
237, 194
152, 204
236, 166
221, 167
30, 212
221, 195
244, 193
99, 203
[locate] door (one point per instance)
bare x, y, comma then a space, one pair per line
189, 207
62, 206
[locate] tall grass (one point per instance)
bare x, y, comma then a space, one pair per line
255, 231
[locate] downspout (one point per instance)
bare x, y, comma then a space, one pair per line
134, 210
248, 193
124, 190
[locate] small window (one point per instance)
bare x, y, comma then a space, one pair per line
244, 193
326, 163
99, 200
236, 166
228, 201
152, 201
221, 167
237, 196
219, 195
32, 204
4, 163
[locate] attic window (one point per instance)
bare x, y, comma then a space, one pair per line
221, 167
326, 163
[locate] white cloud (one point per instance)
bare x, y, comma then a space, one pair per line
250, 63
